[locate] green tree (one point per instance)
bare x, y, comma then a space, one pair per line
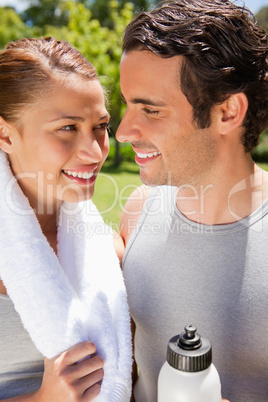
262, 17
53, 12
46, 12
12, 27
101, 10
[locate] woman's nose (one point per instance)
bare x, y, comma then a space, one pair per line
89, 149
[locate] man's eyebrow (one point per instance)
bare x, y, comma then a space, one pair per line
144, 101
147, 101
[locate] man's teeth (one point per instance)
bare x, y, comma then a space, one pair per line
143, 156
80, 175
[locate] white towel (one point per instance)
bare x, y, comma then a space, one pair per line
77, 296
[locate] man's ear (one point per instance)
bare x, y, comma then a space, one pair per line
5, 141
233, 112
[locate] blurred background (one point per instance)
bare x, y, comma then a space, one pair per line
95, 28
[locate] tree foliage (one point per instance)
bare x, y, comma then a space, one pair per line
101, 10
45, 12
262, 18
12, 27
53, 12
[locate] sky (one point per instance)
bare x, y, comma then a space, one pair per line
253, 5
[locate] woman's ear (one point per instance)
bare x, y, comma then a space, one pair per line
5, 141
233, 112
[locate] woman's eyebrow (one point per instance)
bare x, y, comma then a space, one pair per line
63, 117
77, 118
105, 116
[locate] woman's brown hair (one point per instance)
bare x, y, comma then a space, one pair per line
28, 65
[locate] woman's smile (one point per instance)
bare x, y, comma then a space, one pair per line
81, 176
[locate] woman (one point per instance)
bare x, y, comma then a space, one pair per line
61, 291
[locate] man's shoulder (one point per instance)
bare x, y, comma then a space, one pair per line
265, 185
260, 187
132, 211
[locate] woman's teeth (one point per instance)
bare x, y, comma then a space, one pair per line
143, 156
80, 175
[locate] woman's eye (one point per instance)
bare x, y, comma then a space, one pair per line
69, 127
150, 111
102, 126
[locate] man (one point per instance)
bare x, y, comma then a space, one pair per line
194, 77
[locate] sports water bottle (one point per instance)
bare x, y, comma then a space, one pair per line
188, 375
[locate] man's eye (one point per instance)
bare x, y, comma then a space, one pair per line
150, 111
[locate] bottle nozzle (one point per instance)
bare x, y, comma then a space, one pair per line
190, 331
189, 339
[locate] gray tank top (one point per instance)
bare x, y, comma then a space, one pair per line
21, 364
179, 272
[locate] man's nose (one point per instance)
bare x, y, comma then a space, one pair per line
128, 130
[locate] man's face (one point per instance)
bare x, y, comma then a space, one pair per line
158, 122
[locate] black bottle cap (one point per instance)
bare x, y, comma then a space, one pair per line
189, 352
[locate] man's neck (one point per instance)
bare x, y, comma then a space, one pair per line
226, 198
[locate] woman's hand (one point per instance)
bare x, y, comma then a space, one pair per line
72, 376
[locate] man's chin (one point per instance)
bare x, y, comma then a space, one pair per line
153, 181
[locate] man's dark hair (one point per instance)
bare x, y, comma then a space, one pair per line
225, 52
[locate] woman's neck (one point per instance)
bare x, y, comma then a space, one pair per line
49, 225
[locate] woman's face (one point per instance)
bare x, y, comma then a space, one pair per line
60, 143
